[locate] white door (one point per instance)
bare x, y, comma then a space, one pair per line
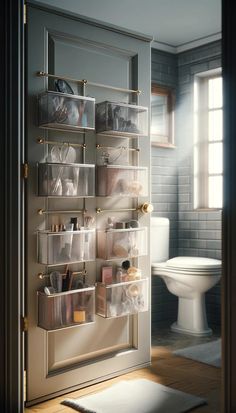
69, 358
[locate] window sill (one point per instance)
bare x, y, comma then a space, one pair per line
163, 145
207, 209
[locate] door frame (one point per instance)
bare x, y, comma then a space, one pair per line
11, 200
229, 210
11, 354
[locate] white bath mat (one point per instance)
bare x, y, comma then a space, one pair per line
136, 396
209, 353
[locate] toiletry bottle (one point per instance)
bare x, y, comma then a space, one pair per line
81, 244
121, 275
125, 266
74, 220
74, 240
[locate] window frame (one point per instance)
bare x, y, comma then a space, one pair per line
157, 139
202, 141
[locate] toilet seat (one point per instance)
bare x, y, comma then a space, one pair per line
195, 266
198, 263
163, 270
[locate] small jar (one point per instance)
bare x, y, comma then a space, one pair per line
133, 273
79, 315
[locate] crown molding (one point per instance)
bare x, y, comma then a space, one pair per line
185, 46
163, 47
199, 42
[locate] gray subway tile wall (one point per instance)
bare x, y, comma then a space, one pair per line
165, 192
192, 232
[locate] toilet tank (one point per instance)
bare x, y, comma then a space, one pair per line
159, 241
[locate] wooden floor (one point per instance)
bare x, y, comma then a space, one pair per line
176, 372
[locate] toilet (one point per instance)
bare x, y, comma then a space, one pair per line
186, 277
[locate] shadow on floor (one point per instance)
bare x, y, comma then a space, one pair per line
164, 337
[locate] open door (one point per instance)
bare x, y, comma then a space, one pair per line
68, 353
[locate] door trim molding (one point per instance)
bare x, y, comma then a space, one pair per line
11, 267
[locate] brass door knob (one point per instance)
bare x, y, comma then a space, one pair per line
146, 208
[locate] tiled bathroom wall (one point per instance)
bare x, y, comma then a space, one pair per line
165, 191
164, 161
192, 233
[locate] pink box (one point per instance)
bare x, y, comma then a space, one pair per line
107, 275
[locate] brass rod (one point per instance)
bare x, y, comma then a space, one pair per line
145, 208
118, 89
84, 87
47, 212
44, 74
86, 82
99, 210
42, 275
43, 141
98, 146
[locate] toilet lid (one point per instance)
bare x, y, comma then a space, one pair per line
198, 263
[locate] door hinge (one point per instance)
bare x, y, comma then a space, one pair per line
25, 14
25, 170
24, 324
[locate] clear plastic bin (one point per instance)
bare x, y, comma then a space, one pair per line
121, 119
117, 300
112, 156
66, 111
66, 247
126, 181
66, 309
66, 180
121, 243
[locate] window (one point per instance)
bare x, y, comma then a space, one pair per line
162, 113
208, 142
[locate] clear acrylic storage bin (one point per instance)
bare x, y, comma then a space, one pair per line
121, 243
66, 247
112, 156
121, 119
67, 309
127, 181
66, 180
116, 300
66, 111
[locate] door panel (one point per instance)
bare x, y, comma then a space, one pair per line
75, 357
83, 54
67, 348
